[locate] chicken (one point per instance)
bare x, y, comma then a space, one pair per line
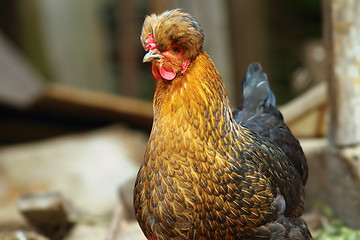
208, 172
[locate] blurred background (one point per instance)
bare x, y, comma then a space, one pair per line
94, 45
75, 102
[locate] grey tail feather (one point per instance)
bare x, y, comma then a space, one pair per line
256, 90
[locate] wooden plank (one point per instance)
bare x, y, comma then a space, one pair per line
96, 105
306, 114
59, 109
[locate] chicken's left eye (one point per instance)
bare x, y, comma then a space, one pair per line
176, 50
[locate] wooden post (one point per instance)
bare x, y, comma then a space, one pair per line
158, 6
342, 34
342, 40
128, 41
74, 43
20, 84
249, 38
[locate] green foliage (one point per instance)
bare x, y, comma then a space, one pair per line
335, 229
338, 232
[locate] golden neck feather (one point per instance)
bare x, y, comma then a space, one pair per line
194, 97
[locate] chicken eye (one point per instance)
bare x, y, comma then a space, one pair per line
176, 50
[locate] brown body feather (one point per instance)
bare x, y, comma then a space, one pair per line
204, 175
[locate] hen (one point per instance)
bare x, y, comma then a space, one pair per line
210, 173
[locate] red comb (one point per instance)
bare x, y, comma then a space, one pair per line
150, 42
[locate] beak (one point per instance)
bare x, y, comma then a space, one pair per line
152, 55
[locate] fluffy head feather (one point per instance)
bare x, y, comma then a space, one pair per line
174, 27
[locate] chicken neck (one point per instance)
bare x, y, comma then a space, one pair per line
195, 100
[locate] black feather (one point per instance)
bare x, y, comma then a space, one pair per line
259, 113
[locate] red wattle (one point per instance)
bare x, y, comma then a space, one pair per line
163, 72
167, 73
155, 72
